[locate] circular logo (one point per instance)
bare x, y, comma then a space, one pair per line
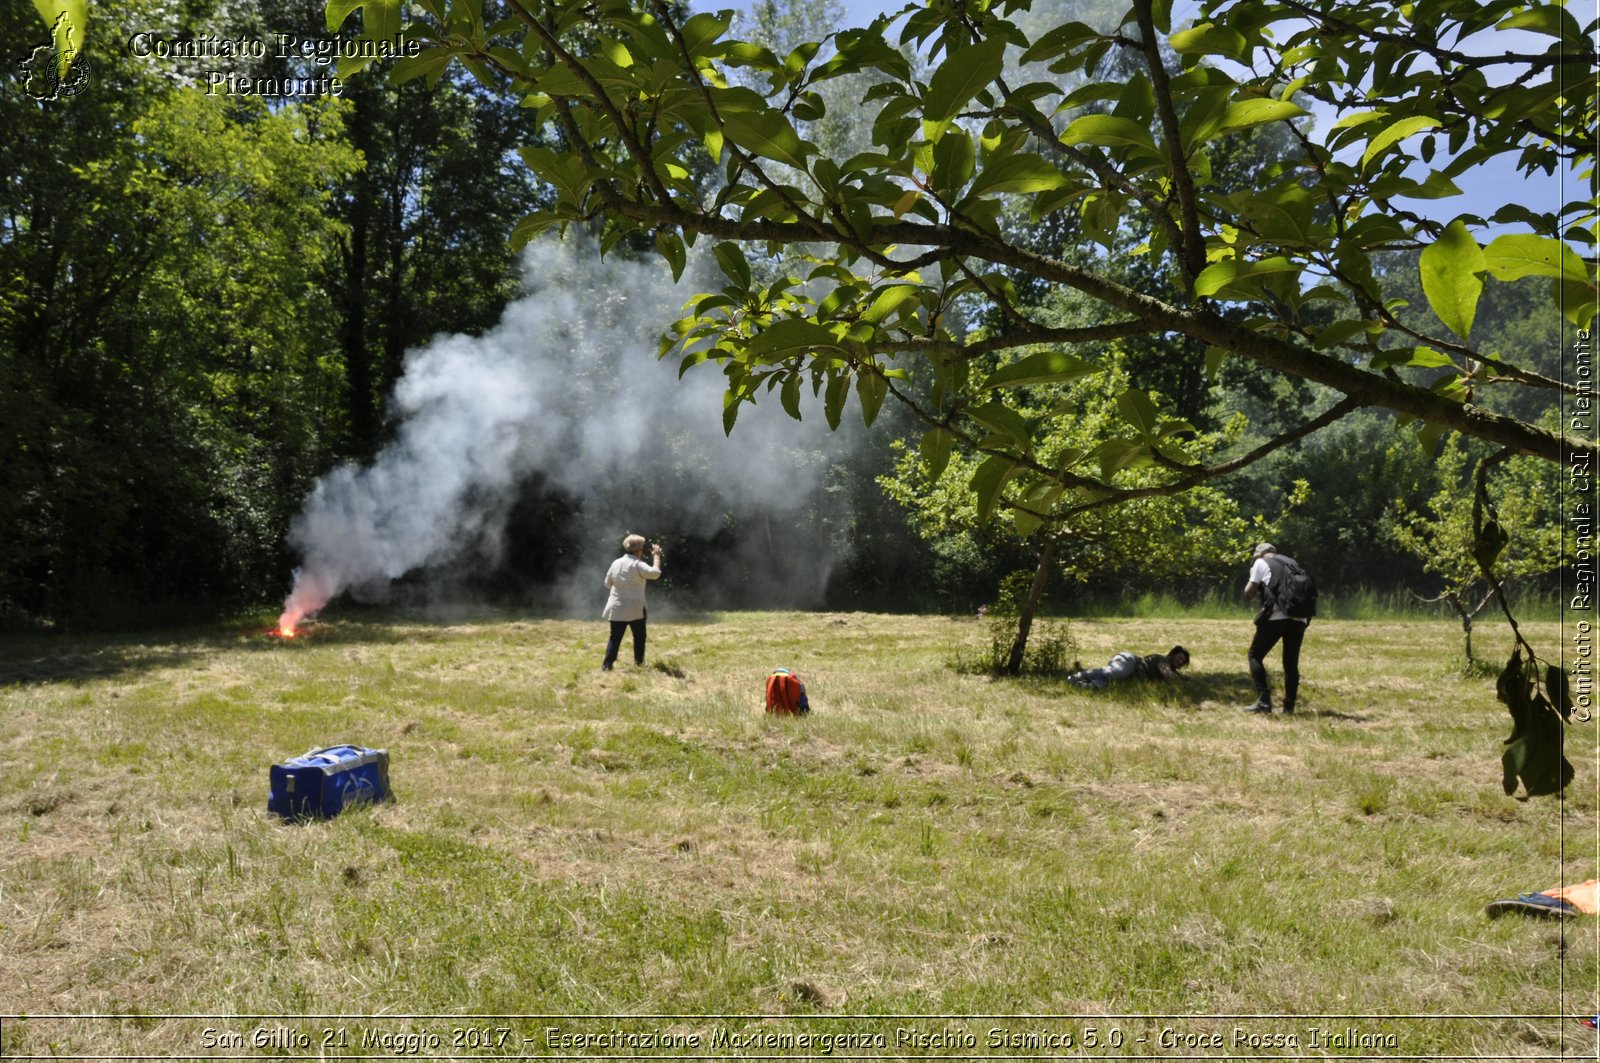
46, 78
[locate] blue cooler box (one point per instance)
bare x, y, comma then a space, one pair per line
324, 782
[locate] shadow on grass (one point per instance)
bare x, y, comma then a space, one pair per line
81, 658
1190, 691
77, 658
1227, 694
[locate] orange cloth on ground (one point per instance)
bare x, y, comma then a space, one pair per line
1585, 896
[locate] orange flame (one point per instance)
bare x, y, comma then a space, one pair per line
286, 631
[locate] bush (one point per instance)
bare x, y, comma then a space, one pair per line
1051, 649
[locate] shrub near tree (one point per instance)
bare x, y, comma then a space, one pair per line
1443, 536
1147, 540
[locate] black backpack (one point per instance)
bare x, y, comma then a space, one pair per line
1292, 589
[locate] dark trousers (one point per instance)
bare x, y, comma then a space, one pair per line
615, 642
1268, 632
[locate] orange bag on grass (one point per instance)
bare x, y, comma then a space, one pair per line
786, 694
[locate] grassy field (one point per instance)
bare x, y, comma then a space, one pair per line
1076, 871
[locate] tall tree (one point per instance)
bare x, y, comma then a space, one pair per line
426, 217
161, 389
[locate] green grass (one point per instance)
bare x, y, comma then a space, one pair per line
647, 842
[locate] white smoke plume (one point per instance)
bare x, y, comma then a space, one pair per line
568, 387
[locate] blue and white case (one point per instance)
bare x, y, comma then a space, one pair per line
324, 782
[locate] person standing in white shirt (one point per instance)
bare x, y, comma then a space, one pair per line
625, 581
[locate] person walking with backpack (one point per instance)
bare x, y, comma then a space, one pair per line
1288, 602
625, 582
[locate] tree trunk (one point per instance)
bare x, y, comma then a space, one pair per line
363, 418
1466, 624
1025, 614
1467, 619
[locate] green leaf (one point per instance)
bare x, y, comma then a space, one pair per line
768, 134
1488, 543
953, 160
617, 52
790, 395
810, 107
1452, 277
707, 303
833, 399
1118, 454
713, 143
1337, 333
424, 64
1045, 367
1214, 357
1394, 133
1549, 19
871, 388
1428, 435
337, 11
1579, 302
1228, 276
1247, 113
1415, 357
670, 246
987, 483
530, 227
1437, 186
888, 301
1107, 131
563, 171
1019, 174
936, 444
1208, 39
730, 257
1004, 421
693, 358
703, 29
1059, 41
1026, 522
380, 19
1534, 752
964, 73
790, 336
561, 80
1521, 255
730, 411
1138, 410
1358, 118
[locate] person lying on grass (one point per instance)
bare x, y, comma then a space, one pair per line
1132, 666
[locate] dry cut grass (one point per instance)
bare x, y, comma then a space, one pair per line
1143, 863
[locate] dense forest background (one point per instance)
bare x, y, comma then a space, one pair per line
208, 300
